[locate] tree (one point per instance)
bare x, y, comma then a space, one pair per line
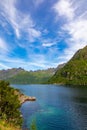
9, 103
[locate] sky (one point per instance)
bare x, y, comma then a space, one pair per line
39, 34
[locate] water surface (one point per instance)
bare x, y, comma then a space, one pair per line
56, 108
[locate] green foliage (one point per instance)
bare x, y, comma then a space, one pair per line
9, 104
31, 77
74, 72
5, 74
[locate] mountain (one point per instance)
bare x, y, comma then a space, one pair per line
60, 66
21, 76
4, 74
74, 72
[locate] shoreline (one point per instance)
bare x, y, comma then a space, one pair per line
23, 98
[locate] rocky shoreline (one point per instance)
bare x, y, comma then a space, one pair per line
23, 98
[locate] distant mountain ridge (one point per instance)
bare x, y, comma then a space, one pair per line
4, 74
21, 76
74, 72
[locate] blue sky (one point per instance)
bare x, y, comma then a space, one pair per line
39, 34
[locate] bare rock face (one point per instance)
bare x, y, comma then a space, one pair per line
23, 98
26, 98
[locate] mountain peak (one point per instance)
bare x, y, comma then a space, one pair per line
74, 72
81, 54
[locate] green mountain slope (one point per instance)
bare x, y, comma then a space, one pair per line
4, 74
20, 76
74, 72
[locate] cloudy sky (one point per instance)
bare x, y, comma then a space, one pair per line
38, 34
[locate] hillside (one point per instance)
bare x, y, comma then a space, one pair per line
20, 76
74, 72
32, 77
4, 74
10, 115
8, 126
10, 101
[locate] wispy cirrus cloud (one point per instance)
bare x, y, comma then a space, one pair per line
30, 37
74, 25
4, 51
34, 34
2, 66
64, 8
48, 42
25, 31
38, 2
41, 63
20, 22
4, 48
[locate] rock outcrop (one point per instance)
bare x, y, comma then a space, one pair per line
23, 98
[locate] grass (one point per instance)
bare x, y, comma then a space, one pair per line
7, 126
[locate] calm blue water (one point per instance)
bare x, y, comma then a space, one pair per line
56, 107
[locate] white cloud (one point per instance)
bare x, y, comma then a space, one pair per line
2, 66
3, 46
33, 34
19, 21
37, 2
45, 31
35, 64
78, 30
48, 44
9, 13
75, 26
64, 8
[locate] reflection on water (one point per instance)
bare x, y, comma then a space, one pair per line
56, 107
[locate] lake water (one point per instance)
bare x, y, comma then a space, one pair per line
56, 108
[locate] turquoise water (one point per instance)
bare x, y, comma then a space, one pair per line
56, 108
